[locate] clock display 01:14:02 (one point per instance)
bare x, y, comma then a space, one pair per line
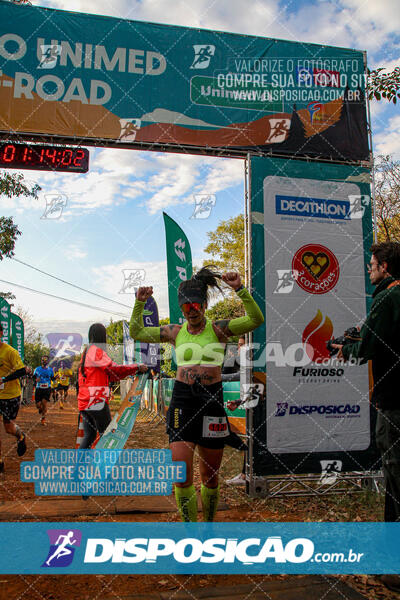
47, 158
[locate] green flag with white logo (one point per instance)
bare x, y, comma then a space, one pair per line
179, 265
5, 312
17, 334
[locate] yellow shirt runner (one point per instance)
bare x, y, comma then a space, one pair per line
63, 376
10, 361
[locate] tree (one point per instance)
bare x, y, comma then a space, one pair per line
229, 308
383, 85
31, 334
8, 236
226, 245
34, 352
7, 296
115, 334
12, 184
387, 198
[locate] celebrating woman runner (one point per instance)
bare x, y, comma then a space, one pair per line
96, 371
196, 416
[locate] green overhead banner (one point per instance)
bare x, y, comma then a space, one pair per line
5, 319
179, 265
17, 334
90, 79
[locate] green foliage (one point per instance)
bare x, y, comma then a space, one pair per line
8, 236
384, 85
166, 353
12, 184
34, 352
7, 295
229, 308
387, 198
226, 245
115, 333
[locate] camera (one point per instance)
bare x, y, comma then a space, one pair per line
350, 336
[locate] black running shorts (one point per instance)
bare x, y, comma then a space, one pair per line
42, 394
9, 409
196, 414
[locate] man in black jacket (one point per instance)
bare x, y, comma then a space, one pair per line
380, 343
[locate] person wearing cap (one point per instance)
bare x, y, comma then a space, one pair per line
196, 416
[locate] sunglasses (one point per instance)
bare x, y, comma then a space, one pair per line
187, 306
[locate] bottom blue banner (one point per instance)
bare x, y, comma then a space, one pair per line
200, 548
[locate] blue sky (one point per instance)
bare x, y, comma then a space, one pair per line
113, 215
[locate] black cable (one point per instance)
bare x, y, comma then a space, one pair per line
65, 299
71, 284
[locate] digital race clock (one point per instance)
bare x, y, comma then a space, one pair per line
44, 158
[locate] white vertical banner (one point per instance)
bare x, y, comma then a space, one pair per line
314, 289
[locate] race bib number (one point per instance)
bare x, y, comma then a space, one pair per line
1, 386
43, 385
215, 427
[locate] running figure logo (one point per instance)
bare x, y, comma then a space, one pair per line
279, 131
281, 408
49, 55
286, 279
64, 344
204, 203
133, 278
129, 129
358, 204
55, 204
330, 471
202, 56
62, 547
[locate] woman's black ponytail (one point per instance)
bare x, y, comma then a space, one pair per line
199, 285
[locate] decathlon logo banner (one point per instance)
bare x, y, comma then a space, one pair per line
199, 548
303, 218
312, 207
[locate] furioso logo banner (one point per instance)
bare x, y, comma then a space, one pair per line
310, 246
145, 85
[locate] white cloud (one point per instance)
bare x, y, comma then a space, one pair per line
74, 252
388, 142
110, 278
351, 23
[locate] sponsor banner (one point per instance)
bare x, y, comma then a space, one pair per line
316, 229
179, 265
17, 334
200, 548
146, 353
5, 319
147, 85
